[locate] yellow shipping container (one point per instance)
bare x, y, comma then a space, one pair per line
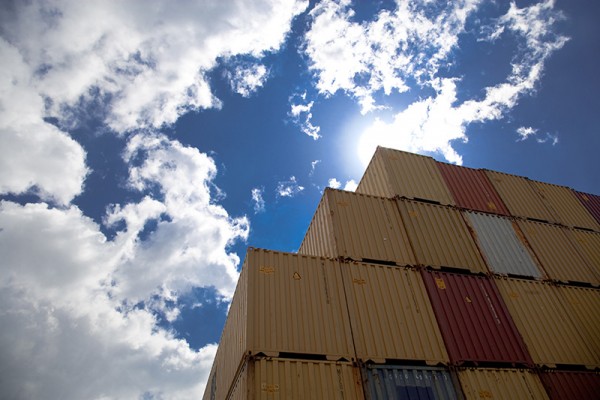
501, 384
395, 173
520, 196
588, 245
545, 324
273, 378
439, 236
358, 227
391, 314
583, 305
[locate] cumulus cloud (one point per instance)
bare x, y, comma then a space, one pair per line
289, 188
525, 132
351, 185
410, 44
258, 200
247, 79
301, 114
334, 183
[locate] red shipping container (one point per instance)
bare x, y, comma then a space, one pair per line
567, 385
474, 321
472, 189
591, 203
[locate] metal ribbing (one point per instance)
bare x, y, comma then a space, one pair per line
583, 306
569, 385
591, 202
588, 245
391, 315
397, 382
502, 246
501, 384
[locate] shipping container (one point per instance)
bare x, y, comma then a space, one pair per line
545, 324
475, 324
588, 245
391, 315
285, 303
276, 378
394, 173
591, 202
567, 209
557, 253
471, 189
501, 384
503, 245
359, 227
386, 382
569, 385
520, 196
583, 305
440, 237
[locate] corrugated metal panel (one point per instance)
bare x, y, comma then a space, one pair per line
545, 324
499, 384
569, 385
565, 206
474, 322
591, 202
583, 305
501, 242
397, 173
359, 227
440, 237
520, 196
472, 189
557, 254
588, 245
296, 304
277, 378
391, 315
385, 382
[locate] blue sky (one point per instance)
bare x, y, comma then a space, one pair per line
146, 145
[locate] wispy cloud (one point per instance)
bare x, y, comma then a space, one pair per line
527, 132
246, 79
313, 166
258, 200
301, 115
289, 188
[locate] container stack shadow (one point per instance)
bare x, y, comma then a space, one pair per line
431, 281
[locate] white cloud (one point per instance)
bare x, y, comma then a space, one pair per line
411, 42
289, 188
313, 166
148, 60
334, 183
247, 79
525, 132
351, 185
259, 201
302, 116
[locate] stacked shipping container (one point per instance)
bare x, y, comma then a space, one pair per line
432, 280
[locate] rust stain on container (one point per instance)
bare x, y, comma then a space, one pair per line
278, 378
591, 202
557, 254
583, 305
440, 237
520, 196
500, 241
385, 382
394, 173
569, 385
359, 227
391, 315
544, 322
588, 245
472, 189
501, 384
475, 324
275, 312
567, 209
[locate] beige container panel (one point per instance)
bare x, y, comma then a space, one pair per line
520, 196
583, 305
544, 323
272, 379
567, 209
557, 254
397, 173
439, 236
501, 384
391, 314
362, 227
588, 245
297, 304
